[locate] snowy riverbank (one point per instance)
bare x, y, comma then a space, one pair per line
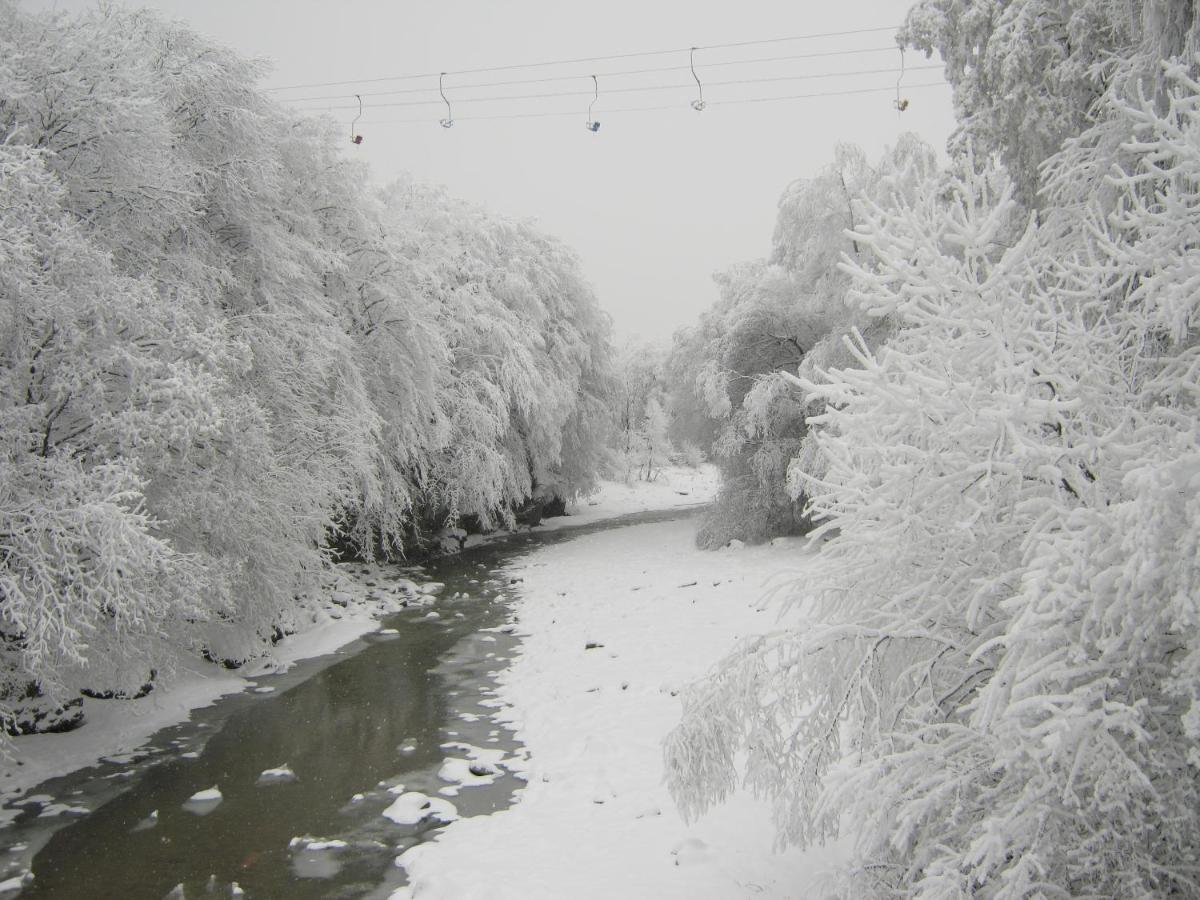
613, 625
119, 729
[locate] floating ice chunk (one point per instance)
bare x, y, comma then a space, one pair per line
123, 759
203, 802
191, 754
278, 775
14, 884
317, 860
413, 807
264, 689
308, 842
388, 631
63, 809
147, 823
328, 845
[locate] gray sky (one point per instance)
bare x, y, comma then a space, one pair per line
654, 202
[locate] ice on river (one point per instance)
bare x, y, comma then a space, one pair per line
614, 625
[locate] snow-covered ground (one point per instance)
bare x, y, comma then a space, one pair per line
614, 624
117, 729
675, 487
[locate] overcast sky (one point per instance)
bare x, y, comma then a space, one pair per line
654, 202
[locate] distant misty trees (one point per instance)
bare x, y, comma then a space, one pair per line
222, 350
640, 441
995, 682
777, 315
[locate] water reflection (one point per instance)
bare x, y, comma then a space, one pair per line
369, 722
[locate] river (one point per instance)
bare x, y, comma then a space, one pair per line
352, 727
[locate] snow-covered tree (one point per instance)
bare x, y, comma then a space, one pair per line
528, 359
223, 350
639, 393
994, 686
773, 316
92, 371
1028, 74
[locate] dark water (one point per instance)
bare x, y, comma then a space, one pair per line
349, 726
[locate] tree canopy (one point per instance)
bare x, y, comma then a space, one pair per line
991, 679
222, 350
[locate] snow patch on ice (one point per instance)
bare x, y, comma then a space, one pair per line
412, 807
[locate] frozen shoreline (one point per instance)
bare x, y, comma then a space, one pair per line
117, 728
612, 625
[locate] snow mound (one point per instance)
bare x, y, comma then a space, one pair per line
481, 766
413, 807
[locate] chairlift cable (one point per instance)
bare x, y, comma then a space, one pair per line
656, 69
637, 89
587, 59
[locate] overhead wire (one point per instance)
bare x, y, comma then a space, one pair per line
586, 59
638, 89
550, 78
667, 106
